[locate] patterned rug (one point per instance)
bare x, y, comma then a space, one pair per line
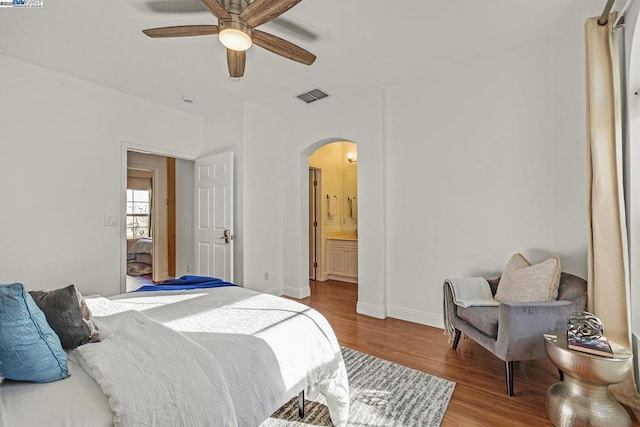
382, 393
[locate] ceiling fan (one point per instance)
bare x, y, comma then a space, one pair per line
236, 29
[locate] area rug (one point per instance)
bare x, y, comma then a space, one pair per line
382, 394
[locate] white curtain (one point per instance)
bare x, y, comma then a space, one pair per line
608, 289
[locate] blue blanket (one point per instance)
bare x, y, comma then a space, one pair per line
186, 282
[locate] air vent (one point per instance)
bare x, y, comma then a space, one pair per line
312, 95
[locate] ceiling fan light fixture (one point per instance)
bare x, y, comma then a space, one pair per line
235, 36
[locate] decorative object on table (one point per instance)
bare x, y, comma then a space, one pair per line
584, 333
583, 325
599, 346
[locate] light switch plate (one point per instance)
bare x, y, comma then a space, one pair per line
110, 220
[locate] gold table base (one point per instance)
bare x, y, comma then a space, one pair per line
583, 399
571, 403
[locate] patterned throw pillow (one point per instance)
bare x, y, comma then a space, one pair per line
523, 282
68, 315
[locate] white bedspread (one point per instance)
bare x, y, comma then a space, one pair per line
269, 348
154, 376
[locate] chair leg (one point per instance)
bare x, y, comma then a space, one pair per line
456, 339
509, 369
561, 373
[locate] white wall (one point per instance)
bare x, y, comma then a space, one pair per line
458, 168
493, 163
276, 191
61, 172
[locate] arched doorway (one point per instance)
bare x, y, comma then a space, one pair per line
333, 213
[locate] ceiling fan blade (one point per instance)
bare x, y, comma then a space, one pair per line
235, 62
182, 31
282, 47
217, 9
261, 11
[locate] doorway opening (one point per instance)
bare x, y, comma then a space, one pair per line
150, 228
333, 214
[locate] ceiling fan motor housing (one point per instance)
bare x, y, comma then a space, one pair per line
234, 7
235, 23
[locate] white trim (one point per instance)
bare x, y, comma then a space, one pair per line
148, 149
277, 290
416, 316
298, 293
376, 311
342, 278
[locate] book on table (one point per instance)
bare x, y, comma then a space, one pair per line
599, 346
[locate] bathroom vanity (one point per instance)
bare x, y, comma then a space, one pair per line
342, 257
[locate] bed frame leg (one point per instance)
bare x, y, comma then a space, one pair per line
301, 404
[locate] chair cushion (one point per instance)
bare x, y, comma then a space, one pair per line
484, 319
523, 282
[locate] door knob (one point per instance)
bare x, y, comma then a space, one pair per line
227, 236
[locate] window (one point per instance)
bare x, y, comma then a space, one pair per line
138, 214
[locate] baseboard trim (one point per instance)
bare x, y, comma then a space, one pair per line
298, 293
371, 310
273, 291
416, 316
342, 278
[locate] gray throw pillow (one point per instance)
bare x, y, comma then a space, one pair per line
68, 315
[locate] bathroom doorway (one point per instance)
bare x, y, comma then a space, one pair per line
333, 214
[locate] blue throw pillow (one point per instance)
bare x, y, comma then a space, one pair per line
29, 349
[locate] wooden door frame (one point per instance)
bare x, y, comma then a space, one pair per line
318, 258
171, 216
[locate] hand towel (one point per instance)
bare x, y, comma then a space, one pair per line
331, 207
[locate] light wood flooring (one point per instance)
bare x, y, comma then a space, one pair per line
480, 396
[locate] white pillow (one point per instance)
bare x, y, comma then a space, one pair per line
523, 282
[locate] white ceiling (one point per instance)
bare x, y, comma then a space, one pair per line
360, 43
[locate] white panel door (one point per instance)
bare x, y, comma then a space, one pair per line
214, 216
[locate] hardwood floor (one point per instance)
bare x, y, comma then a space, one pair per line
480, 396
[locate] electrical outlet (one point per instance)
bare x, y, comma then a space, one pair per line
266, 276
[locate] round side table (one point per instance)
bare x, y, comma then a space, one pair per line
583, 398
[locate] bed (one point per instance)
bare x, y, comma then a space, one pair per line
224, 356
140, 258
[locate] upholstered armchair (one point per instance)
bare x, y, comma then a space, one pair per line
514, 331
